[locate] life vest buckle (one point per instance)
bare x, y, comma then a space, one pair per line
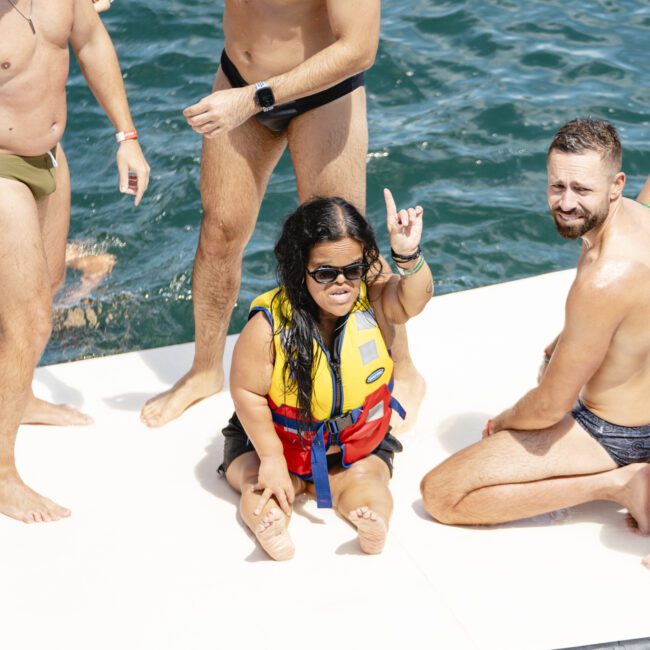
335, 425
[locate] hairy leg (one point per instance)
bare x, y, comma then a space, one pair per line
25, 324
54, 222
361, 495
235, 170
270, 526
329, 147
516, 474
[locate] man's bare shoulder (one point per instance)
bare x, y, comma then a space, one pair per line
613, 280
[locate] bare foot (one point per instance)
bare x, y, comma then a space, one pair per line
21, 502
273, 536
92, 266
409, 392
39, 411
371, 528
636, 496
191, 388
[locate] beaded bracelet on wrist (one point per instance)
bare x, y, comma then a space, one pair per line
406, 272
398, 257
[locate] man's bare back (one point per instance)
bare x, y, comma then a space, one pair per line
618, 391
583, 433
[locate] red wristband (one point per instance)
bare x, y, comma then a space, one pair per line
488, 426
121, 136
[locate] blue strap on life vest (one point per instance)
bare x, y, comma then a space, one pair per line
396, 406
319, 472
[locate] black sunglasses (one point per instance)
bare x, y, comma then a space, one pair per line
328, 274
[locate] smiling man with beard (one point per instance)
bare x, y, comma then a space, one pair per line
584, 432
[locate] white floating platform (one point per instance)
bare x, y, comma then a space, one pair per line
154, 556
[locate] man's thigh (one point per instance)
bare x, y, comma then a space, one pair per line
24, 276
54, 219
236, 168
564, 449
329, 146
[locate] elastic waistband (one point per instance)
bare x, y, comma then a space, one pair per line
45, 160
231, 72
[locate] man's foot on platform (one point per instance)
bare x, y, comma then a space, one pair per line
636, 497
189, 389
38, 411
21, 502
372, 530
409, 390
273, 536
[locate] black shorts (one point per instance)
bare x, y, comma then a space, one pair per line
278, 118
237, 443
625, 445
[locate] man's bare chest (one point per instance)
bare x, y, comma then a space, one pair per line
29, 38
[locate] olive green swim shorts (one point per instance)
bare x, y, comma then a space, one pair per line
37, 172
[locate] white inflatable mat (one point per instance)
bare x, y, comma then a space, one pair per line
154, 556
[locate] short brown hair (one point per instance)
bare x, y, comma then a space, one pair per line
584, 134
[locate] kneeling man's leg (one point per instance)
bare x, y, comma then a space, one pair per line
25, 325
517, 474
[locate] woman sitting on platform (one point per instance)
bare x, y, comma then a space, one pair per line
311, 374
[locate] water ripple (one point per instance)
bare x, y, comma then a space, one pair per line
462, 103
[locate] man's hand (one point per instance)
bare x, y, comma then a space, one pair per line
102, 5
221, 111
133, 169
274, 480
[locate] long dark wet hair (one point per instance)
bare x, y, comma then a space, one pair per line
323, 219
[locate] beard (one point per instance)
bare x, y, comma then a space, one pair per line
590, 220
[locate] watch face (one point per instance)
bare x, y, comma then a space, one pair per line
264, 97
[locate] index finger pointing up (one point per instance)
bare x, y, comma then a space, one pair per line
391, 208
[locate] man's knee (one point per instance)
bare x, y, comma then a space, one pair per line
222, 238
440, 495
26, 329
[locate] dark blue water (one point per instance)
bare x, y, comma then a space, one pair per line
463, 101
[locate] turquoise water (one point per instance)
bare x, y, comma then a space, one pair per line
463, 100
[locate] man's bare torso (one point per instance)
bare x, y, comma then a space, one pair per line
33, 74
265, 38
620, 390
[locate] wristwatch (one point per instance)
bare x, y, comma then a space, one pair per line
264, 96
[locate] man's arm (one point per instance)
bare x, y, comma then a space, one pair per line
356, 27
594, 309
644, 194
98, 62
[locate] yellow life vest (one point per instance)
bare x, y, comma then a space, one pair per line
350, 402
